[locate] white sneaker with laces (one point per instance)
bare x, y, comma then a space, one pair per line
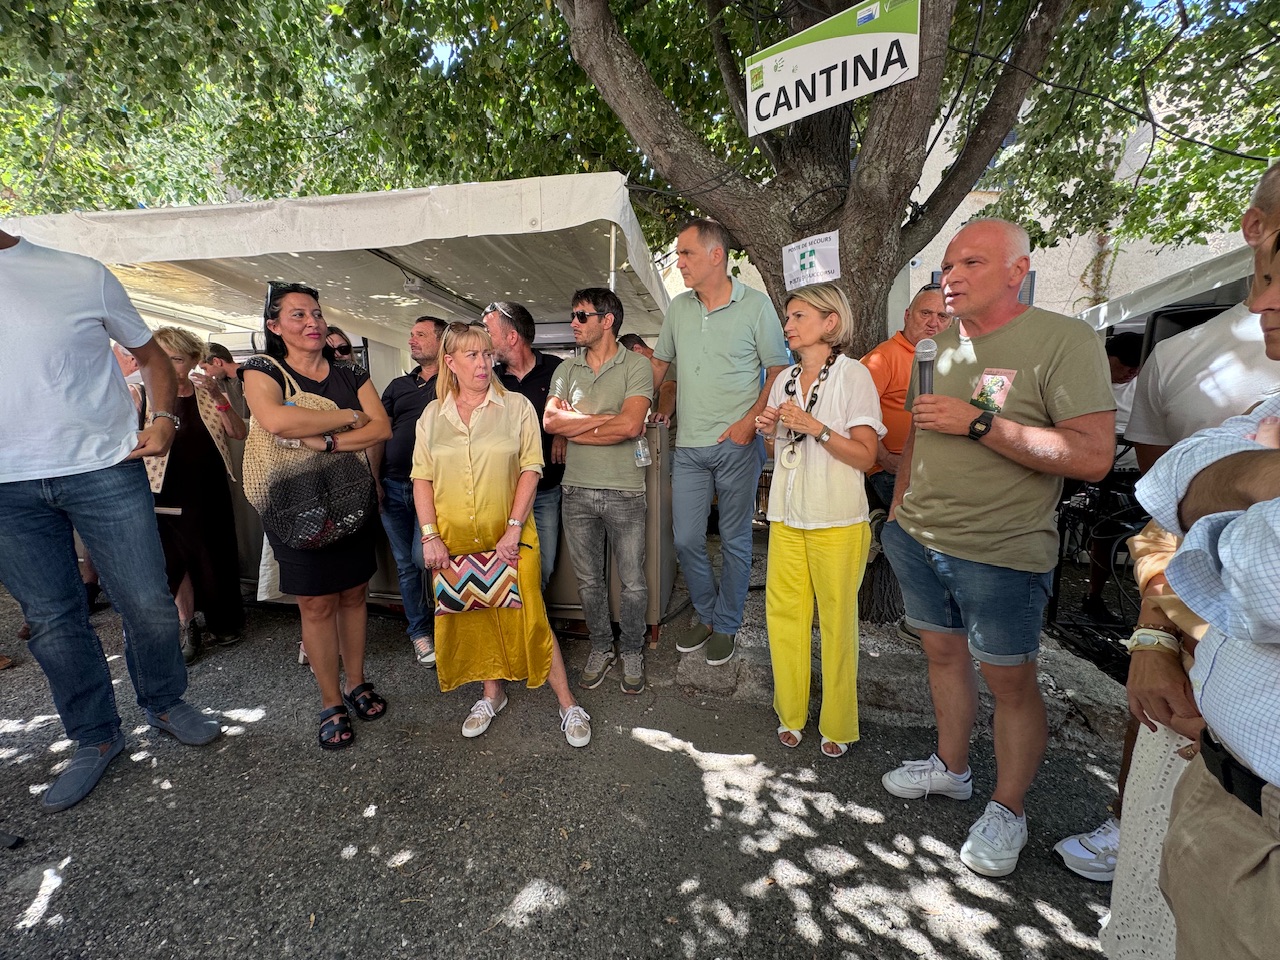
1092, 855
576, 724
482, 713
995, 841
919, 778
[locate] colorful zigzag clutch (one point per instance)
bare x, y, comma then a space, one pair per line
476, 581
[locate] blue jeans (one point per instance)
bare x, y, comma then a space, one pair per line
400, 520
730, 472
999, 609
593, 520
546, 518
113, 511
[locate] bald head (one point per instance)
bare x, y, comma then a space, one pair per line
983, 270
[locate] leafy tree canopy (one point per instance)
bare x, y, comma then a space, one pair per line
116, 103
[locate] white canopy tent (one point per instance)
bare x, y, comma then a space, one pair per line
378, 259
1216, 281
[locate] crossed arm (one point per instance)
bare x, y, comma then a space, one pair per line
596, 429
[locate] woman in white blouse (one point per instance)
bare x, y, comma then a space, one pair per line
824, 420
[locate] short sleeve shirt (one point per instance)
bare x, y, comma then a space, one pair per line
475, 468
821, 491
722, 354
59, 313
968, 501
890, 367
404, 400
534, 388
624, 376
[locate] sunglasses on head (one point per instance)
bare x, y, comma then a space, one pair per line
581, 315
278, 288
496, 307
928, 287
458, 326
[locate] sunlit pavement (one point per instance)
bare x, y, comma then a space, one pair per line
683, 830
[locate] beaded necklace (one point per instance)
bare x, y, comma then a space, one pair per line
790, 455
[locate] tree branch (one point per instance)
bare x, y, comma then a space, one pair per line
677, 153
995, 120
734, 84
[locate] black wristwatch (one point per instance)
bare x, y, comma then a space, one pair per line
981, 425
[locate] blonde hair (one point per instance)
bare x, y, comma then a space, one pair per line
828, 298
177, 340
456, 338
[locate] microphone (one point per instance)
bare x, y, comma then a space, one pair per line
926, 353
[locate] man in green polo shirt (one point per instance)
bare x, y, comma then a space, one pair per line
598, 401
728, 341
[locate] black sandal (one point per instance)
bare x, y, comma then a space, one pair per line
362, 700
335, 722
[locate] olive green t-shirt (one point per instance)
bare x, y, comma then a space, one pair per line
626, 375
968, 501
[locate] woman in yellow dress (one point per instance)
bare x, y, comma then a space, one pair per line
476, 465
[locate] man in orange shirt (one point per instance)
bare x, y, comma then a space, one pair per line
890, 366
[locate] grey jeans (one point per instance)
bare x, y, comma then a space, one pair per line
594, 520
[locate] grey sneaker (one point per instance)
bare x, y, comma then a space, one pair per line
919, 778
693, 638
995, 841
720, 648
633, 672
598, 664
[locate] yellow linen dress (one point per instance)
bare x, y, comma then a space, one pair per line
474, 471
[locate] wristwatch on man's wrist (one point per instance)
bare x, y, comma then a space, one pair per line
981, 425
157, 414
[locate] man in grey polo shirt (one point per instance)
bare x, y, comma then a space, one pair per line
598, 401
724, 335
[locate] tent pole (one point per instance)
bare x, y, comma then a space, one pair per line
613, 252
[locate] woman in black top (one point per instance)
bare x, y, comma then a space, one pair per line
330, 582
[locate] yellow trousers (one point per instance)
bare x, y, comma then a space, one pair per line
825, 564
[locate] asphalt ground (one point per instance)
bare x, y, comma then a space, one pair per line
683, 830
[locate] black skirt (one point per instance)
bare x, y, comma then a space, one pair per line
340, 566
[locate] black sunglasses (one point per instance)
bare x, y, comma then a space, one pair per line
581, 315
343, 349
928, 287
458, 326
278, 288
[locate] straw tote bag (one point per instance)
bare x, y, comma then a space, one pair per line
305, 498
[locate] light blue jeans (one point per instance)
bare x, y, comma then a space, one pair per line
730, 472
546, 518
614, 520
400, 520
114, 513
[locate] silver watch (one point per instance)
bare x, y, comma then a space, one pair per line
825, 435
513, 522
168, 416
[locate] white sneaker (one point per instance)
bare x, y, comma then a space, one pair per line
919, 778
1092, 855
576, 724
482, 713
995, 841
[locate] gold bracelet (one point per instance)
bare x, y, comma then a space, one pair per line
429, 528
430, 536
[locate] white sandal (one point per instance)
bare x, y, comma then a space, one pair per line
798, 734
843, 748
482, 713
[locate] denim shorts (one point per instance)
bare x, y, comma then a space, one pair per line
1000, 610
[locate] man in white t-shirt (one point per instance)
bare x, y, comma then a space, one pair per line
76, 462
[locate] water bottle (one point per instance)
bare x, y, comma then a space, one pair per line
643, 457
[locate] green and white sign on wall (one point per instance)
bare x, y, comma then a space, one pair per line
867, 48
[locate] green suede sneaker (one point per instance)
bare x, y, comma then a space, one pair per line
720, 647
693, 638
633, 672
